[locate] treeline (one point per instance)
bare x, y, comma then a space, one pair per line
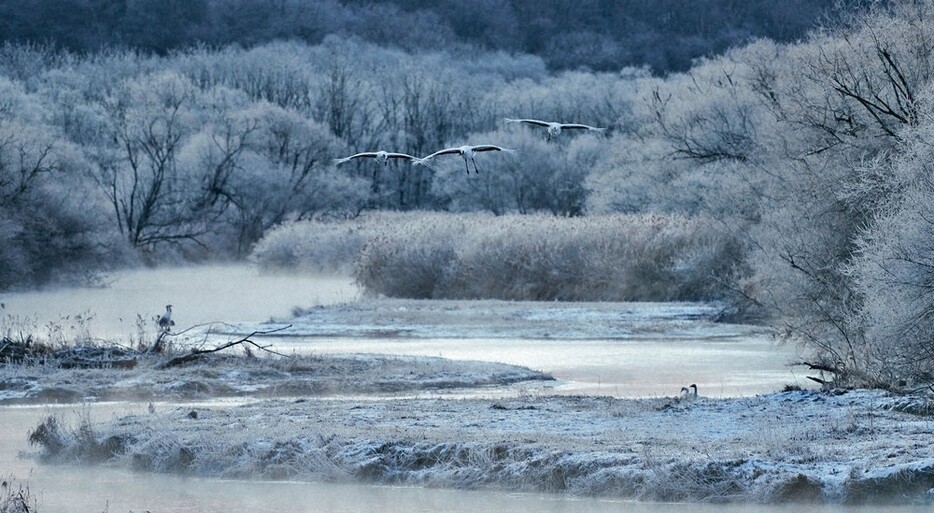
665, 35
196, 154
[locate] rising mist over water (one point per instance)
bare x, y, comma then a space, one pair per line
199, 295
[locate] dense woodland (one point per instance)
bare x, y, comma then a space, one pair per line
788, 179
603, 35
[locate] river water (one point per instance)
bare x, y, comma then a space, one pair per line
199, 295
239, 293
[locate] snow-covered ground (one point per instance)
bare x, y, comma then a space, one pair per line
223, 375
849, 447
504, 319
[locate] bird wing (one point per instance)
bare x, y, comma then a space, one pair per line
446, 151
366, 154
490, 147
423, 161
578, 126
529, 121
400, 156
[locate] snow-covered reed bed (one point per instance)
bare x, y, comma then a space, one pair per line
852, 447
514, 257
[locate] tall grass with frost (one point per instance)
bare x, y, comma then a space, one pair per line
324, 247
16, 497
515, 257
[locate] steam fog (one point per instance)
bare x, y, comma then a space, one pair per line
200, 295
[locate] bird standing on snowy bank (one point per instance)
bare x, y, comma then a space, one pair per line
165, 322
555, 128
467, 152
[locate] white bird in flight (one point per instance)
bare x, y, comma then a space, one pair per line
555, 128
165, 322
381, 157
464, 151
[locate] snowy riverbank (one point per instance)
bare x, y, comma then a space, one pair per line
849, 447
381, 418
130, 375
413, 318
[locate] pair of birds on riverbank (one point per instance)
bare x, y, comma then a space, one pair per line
468, 152
688, 393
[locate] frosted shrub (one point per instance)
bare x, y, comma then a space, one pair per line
16, 497
332, 245
600, 258
312, 246
413, 260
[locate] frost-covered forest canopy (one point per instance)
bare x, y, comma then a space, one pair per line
790, 179
603, 35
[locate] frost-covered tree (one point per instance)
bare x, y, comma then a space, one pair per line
892, 272
288, 173
50, 221
851, 94
152, 200
810, 129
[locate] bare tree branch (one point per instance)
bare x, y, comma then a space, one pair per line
196, 354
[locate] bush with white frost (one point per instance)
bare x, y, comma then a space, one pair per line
597, 258
318, 246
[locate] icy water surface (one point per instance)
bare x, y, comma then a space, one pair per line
618, 368
602, 348
645, 350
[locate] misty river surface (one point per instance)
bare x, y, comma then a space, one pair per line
722, 367
240, 293
199, 295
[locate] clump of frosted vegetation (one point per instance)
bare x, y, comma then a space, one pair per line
328, 247
514, 257
16, 497
597, 258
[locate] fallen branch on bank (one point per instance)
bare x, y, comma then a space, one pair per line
196, 354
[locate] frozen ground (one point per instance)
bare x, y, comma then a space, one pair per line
847, 447
506, 319
224, 375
